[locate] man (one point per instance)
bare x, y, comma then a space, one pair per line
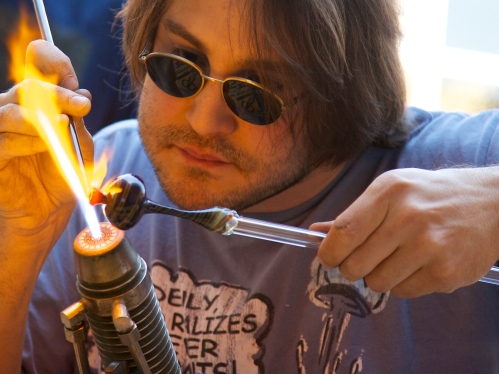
304, 142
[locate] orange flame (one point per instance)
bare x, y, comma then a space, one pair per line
38, 103
96, 179
18, 42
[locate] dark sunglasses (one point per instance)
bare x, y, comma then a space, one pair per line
179, 77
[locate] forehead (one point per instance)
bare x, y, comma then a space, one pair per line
218, 25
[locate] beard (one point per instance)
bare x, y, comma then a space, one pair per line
198, 188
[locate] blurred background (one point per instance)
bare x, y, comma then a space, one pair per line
450, 53
84, 31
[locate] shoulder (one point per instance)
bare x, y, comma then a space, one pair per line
441, 139
122, 129
120, 145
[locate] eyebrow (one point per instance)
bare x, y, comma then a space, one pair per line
181, 31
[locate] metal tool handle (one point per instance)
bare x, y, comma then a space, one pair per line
43, 23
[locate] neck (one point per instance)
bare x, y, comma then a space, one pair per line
299, 193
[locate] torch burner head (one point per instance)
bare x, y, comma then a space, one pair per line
87, 245
105, 260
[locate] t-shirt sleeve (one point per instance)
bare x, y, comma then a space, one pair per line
443, 140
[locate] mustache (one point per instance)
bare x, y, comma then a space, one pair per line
172, 135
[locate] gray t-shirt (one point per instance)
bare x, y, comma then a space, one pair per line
241, 305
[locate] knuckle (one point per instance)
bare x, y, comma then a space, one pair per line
346, 230
378, 283
412, 215
443, 275
34, 47
32, 142
351, 270
395, 182
5, 141
7, 112
27, 82
327, 257
85, 93
62, 62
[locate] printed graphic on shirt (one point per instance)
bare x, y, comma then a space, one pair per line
344, 301
215, 328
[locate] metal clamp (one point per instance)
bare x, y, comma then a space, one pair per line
129, 335
72, 317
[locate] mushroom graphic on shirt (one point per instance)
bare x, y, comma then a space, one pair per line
343, 299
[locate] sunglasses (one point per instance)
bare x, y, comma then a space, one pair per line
179, 77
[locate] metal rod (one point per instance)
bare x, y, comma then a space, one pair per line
129, 335
81, 356
43, 23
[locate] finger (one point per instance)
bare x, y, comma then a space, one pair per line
370, 254
13, 121
416, 285
321, 226
85, 93
395, 269
355, 225
425, 281
400, 224
67, 101
444, 274
50, 60
15, 145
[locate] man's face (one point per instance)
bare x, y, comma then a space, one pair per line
203, 154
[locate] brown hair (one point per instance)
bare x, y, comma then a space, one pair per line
344, 54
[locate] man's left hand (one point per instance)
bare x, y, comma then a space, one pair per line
415, 231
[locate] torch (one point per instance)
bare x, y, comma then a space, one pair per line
120, 305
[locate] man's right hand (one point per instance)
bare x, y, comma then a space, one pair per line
35, 201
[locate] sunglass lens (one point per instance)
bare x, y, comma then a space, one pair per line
173, 76
251, 103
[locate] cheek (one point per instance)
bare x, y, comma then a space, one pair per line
160, 107
270, 143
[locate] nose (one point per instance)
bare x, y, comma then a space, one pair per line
209, 115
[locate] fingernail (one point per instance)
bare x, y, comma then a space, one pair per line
79, 102
70, 83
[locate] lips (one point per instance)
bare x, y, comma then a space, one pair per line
202, 157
